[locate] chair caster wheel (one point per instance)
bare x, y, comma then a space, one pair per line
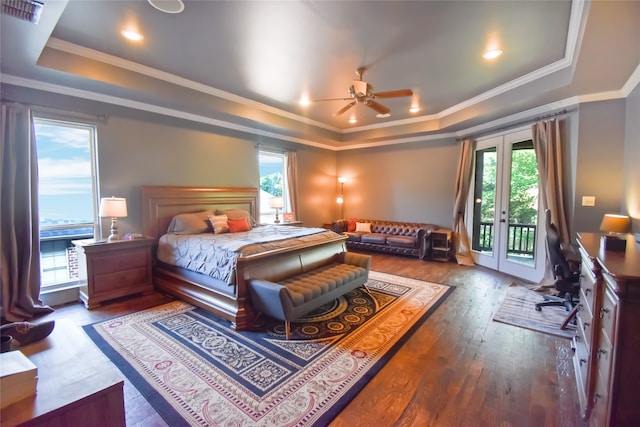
538, 308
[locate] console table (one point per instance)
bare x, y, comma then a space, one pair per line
77, 385
607, 343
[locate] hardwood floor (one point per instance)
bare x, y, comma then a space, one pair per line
459, 368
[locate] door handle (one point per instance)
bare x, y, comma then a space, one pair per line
503, 220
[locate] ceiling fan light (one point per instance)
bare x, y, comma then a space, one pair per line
414, 109
383, 115
353, 120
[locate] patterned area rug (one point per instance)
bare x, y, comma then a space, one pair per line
195, 370
518, 309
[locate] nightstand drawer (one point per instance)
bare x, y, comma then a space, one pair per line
125, 260
111, 282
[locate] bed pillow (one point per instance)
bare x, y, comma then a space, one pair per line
237, 214
364, 227
351, 224
237, 225
219, 223
190, 223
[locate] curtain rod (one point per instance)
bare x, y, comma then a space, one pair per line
515, 125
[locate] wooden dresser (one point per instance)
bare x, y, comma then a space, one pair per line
109, 270
607, 343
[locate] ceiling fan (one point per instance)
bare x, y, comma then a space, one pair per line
361, 92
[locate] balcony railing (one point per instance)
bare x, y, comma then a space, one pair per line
521, 238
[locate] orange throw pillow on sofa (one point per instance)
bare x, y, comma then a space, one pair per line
237, 225
351, 224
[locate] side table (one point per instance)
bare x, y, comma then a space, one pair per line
111, 270
442, 245
77, 385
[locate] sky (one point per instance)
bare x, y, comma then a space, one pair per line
64, 172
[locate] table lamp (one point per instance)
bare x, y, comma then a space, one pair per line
113, 207
615, 226
277, 203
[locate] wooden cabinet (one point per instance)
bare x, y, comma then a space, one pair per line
607, 343
442, 245
111, 270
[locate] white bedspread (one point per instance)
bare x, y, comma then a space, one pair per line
216, 254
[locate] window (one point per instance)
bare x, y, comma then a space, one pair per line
273, 183
66, 195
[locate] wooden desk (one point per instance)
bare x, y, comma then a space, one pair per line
77, 385
607, 345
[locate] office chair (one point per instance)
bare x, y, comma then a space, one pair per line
566, 271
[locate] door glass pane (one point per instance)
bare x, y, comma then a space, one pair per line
484, 200
271, 167
523, 203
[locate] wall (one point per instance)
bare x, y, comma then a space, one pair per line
137, 148
600, 159
408, 182
631, 198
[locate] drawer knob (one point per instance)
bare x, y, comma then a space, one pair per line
601, 353
587, 290
596, 397
586, 325
603, 311
582, 361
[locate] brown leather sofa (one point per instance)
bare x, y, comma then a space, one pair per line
395, 237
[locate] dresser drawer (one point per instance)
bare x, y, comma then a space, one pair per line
581, 364
585, 325
600, 401
129, 279
587, 285
608, 314
125, 260
604, 355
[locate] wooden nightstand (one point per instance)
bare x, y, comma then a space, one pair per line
442, 245
111, 270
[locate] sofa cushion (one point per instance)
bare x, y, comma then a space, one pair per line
401, 241
351, 224
376, 238
354, 237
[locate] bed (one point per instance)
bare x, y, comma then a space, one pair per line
228, 300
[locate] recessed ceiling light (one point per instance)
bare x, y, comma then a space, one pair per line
492, 54
131, 35
167, 6
304, 101
353, 120
383, 116
414, 109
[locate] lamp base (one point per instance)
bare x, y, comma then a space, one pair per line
114, 236
613, 243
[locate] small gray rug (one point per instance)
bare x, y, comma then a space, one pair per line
518, 309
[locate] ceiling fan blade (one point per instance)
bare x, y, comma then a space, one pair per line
331, 99
378, 107
345, 108
394, 93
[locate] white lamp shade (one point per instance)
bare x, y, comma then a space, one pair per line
113, 207
615, 223
277, 202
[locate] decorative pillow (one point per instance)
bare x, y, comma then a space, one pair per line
190, 223
219, 223
237, 214
364, 227
351, 224
237, 225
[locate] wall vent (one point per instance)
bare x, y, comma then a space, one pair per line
27, 10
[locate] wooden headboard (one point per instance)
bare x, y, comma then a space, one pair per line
161, 203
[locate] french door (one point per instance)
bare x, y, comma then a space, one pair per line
503, 217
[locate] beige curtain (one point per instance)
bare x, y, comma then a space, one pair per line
463, 181
19, 231
547, 143
292, 180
